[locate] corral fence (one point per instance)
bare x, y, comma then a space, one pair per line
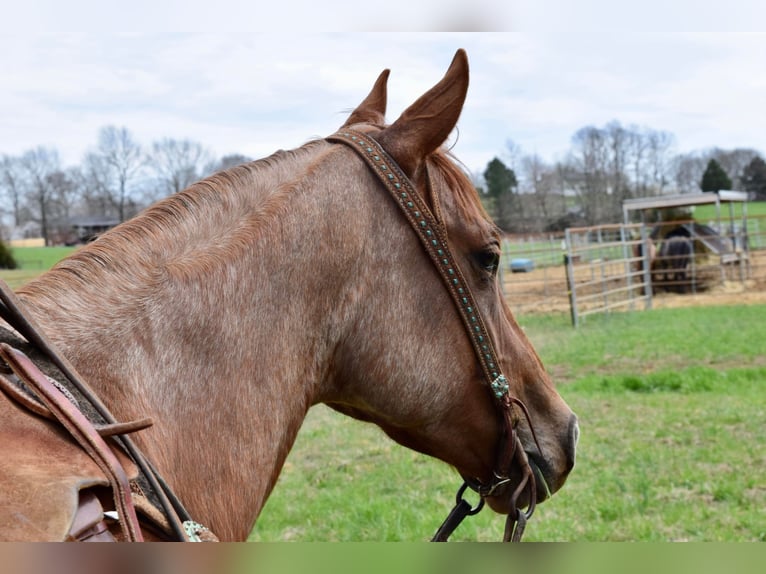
607, 268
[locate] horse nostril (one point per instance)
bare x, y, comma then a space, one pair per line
574, 437
575, 430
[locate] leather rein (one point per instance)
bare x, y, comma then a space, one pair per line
433, 236
58, 402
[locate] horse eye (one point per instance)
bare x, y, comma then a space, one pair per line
489, 260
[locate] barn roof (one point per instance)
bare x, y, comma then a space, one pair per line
682, 200
93, 221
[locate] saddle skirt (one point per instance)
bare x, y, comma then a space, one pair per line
60, 488
50, 484
68, 470
53, 489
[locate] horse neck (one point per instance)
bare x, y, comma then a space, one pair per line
221, 329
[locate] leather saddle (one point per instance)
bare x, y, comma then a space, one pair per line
65, 474
54, 488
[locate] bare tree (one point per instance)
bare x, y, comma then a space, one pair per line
38, 168
618, 141
659, 148
587, 173
94, 183
637, 153
114, 166
63, 196
687, 170
734, 162
513, 154
540, 181
12, 186
177, 163
225, 162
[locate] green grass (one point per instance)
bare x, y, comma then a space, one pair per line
649, 341
673, 444
708, 212
33, 261
673, 447
40, 258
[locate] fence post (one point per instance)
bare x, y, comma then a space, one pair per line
626, 255
604, 286
503, 262
568, 261
693, 262
647, 263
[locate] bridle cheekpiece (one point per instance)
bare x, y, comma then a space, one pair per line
433, 236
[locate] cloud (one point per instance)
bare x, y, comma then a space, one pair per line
255, 93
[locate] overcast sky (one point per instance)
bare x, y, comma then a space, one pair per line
255, 92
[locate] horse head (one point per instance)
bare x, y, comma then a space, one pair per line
311, 278
407, 362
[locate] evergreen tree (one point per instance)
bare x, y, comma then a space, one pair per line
715, 177
501, 182
754, 178
6, 258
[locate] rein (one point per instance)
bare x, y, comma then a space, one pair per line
11, 311
433, 236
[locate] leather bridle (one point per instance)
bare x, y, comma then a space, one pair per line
433, 236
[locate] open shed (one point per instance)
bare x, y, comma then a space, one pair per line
721, 243
719, 198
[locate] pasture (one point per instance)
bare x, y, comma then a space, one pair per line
673, 444
32, 261
673, 447
40, 258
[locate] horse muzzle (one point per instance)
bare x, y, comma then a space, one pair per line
532, 477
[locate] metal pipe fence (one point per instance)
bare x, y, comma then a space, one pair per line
608, 268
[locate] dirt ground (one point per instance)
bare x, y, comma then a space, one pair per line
544, 290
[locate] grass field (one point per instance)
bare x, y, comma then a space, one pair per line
673, 444
673, 447
32, 261
39, 258
708, 212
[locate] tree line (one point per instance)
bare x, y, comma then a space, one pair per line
524, 193
603, 167
115, 179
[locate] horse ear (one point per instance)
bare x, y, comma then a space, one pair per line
427, 123
373, 109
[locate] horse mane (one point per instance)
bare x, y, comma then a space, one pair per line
455, 177
211, 222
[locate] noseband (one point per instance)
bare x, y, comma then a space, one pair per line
433, 236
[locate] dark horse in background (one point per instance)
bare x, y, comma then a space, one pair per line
668, 263
224, 312
670, 268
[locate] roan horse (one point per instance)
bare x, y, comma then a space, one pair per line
226, 311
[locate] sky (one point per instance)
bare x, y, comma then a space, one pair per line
253, 89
